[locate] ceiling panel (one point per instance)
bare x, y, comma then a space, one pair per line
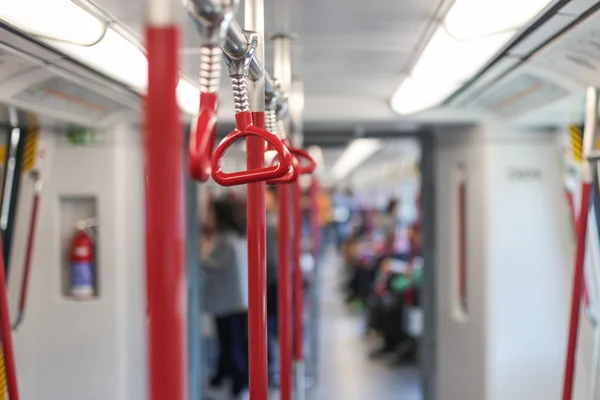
345, 48
372, 85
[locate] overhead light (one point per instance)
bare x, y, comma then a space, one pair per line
461, 46
86, 38
114, 56
413, 96
492, 16
355, 154
60, 19
188, 97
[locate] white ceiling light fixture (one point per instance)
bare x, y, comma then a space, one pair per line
91, 41
114, 56
460, 46
355, 154
188, 97
59, 19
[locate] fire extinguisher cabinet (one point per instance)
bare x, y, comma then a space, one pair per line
81, 268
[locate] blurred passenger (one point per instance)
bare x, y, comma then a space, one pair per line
342, 213
224, 259
325, 217
389, 224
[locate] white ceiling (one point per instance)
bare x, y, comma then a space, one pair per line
350, 53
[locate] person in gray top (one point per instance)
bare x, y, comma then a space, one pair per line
224, 259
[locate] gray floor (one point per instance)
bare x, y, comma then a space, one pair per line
345, 371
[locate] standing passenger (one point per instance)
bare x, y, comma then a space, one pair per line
225, 262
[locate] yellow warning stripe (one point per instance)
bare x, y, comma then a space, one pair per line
30, 151
576, 134
3, 387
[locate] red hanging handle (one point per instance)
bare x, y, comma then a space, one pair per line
301, 153
202, 139
293, 173
244, 128
291, 176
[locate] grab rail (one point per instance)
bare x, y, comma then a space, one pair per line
29, 251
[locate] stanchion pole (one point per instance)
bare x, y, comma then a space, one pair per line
165, 263
591, 126
256, 215
299, 366
316, 281
283, 72
285, 292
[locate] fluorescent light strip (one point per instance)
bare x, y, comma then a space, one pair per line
114, 55
460, 46
60, 19
355, 154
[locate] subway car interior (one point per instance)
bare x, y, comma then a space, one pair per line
318, 199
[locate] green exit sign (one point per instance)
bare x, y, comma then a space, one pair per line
83, 136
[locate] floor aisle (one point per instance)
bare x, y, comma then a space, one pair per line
346, 372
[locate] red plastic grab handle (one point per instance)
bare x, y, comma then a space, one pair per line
293, 173
244, 129
202, 139
301, 153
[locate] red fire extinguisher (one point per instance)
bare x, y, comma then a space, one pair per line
82, 265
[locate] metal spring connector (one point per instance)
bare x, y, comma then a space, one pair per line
238, 71
270, 120
210, 69
280, 129
240, 94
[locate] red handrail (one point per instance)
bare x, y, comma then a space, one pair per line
245, 128
586, 189
573, 213
315, 226
298, 277
29, 252
284, 292
257, 268
202, 138
294, 171
6, 331
165, 261
303, 154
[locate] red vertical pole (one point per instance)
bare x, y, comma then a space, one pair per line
577, 291
578, 281
298, 278
29, 251
165, 269
257, 268
571, 202
587, 173
314, 220
285, 295
7, 345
